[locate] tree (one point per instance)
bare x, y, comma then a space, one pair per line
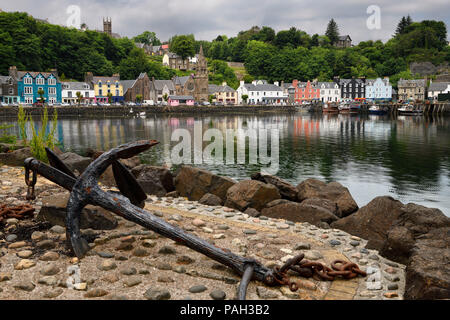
184, 46
245, 97
332, 32
148, 38
403, 25
165, 97
79, 97
139, 98
41, 95
110, 97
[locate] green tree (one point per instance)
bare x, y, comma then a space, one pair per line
110, 96
245, 97
148, 38
183, 45
79, 98
139, 98
332, 32
41, 93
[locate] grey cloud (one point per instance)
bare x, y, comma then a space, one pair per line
208, 18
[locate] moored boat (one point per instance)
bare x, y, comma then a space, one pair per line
377, 110
355, 108
410, 110
330, 108
344, 108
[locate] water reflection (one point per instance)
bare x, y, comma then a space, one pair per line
406, 157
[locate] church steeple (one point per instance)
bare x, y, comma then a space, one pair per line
202, 64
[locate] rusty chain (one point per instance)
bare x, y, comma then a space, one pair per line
30, 184
317, 270
19, 212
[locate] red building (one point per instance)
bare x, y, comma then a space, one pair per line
305, 91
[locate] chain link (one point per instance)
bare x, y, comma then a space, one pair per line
18, 212
30, 184
317, 270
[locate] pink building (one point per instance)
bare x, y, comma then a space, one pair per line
305, 91
175, 101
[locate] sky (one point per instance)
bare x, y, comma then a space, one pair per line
206, 19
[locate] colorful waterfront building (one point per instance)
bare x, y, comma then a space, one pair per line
30, 84
378, 89
175, 101
306, 91
104, 87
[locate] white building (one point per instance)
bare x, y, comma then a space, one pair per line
261, 92
329, 91
70, 89
437, 88
378, 89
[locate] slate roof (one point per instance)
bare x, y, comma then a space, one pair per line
181, 97
344, 38
262, 87
370, 82
127, 84
75, 86
420, 82
438, 86
4, 79
159, 84
105, 79
181, 80
328, 85
34, 74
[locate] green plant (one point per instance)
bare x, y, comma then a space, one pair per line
7, 138
41, 95
43, 138
138, 98
79, 97
165, 97
22, 121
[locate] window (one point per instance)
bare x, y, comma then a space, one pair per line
11, 91
86, 94
28, 80
28, 90
52, 91
40, 81
51, 82
117, 93
69, 94
100, 92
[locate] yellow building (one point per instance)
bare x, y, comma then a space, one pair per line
105, 87
224, 94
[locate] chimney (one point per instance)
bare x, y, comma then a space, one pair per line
116, 75
276, 83
89, 77
13, 72
295, 83
54, 72
241, 83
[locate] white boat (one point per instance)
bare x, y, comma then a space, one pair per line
410, 110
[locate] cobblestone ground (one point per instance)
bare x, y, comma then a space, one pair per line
131, 262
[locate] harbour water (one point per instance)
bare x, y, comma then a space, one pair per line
405, 157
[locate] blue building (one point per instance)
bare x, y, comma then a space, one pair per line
29, 83
378, 89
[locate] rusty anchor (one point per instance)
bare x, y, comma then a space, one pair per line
129, 204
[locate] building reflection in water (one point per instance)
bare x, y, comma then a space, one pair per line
407, 157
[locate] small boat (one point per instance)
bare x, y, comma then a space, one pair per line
355, 108
377, 110
410, 110
344, 108
330, 108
